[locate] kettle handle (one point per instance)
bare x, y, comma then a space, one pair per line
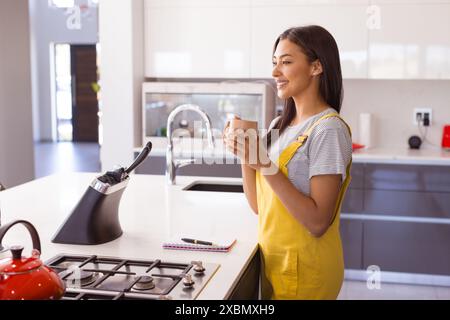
31, 229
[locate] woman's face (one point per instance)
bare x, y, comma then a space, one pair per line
291, 69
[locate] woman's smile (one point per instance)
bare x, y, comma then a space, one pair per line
281, 84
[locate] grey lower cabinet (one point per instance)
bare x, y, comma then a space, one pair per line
397, 217
409, 247
354, 197
352, 229
407, 203
402, 177
247, 287
352, 240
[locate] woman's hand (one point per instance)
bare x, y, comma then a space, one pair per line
249, 149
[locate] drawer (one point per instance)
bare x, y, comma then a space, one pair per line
351, 236
404, 203
357, 174
353, 201
407, 247
407, 177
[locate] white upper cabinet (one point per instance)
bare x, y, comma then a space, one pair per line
197, 38
345, 20
413, 41
377, 39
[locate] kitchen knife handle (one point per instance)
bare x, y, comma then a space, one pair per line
140, 158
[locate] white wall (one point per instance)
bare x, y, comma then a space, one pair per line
391, 103
121, 28
48, 26
16, 138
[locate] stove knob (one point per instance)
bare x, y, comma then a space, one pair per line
187, 280
165, 298
198, 267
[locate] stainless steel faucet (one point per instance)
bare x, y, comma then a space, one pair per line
171, 164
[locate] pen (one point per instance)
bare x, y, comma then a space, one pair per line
194, 241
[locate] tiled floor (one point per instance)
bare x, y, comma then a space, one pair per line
84, 157
51, 158
357, 290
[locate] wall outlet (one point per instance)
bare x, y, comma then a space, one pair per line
421, 112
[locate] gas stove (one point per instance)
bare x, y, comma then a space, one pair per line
107, 278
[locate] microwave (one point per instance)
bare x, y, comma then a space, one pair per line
221, 101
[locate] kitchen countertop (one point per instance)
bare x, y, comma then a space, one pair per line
151, 212
436, 156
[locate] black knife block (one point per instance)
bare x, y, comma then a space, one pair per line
95, 219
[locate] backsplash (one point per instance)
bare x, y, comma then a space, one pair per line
391, 103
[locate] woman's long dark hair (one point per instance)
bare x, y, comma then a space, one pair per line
317, 44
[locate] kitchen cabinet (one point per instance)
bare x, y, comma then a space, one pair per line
407, 247
404, 221
197, 39
247, 287
407, 203
234, 39
412, 41
420, 178
351, 229
345, 20
353, 201
407, 190
352, 241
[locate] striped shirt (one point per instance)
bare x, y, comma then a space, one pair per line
328, 150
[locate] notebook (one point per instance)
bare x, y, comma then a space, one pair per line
219, 244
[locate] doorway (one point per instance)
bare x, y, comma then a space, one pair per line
76, 94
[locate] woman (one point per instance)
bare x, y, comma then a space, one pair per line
298, 203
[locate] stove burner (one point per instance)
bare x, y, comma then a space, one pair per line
198, 267
92, 277
187, 280
144, 283
81, 278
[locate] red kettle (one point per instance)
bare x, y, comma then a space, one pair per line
24, 278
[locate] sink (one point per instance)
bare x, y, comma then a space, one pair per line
215, 187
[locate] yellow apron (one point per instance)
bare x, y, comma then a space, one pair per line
295, 264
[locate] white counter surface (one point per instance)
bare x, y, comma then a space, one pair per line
151, 212
403, 156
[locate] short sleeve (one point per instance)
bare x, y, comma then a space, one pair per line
330, 151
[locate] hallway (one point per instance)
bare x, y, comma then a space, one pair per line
51, 158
